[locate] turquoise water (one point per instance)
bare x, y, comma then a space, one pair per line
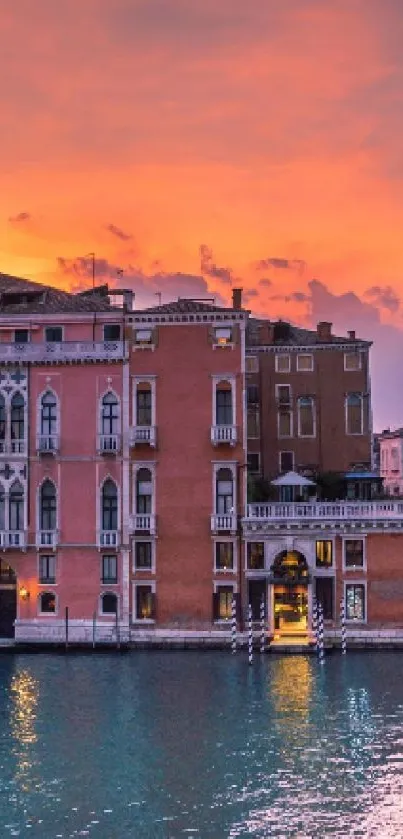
188, 744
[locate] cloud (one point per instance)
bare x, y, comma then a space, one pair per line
265, 282
209, 267
281, 263
19, 218
384, 296
120, 234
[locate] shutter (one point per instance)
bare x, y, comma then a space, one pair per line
128, 333
153, 606
237, 598
155, 336
211, 335
216, 606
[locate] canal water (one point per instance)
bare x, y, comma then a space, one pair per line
160, 745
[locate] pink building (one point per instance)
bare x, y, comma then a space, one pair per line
391, 461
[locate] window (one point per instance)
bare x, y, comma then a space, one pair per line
253, 460
144, 602
112, 332
47, 516
252, 364
252, 392
143, 556
16, 507
354, 413
110, 415
109, 568
47, 603
284, 420
109, 511
54, 334
109, 604
324, 553
143, 337
324, 591
283, 395
2, 508
352, 361
21, 336
355, 601
2, 422
224, 492
17, 417
253, 423
255, 556
144, 405
47, 568
224, 406
223, 337
48, 414
306, 416
354, 553
222, 603
224, 556
144, 492
286, 461
305, 363
283, 363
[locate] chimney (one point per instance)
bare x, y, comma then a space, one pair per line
324, 330
351, 334
267, 333
237, 298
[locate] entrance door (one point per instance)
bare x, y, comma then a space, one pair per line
8, 611
290, 610
256, 590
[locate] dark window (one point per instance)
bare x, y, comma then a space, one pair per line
48, 506
286, 461
255, 556
324, 589
324, 553
224, 556
253, 394
17, 417
306, 419
354, 553
109, 604
224, 492
284, 423
109, 506
253, 462
144, 492
7, 574
253, 422
222, 603
21, 336
48, 414
283, 394
144, 603
2, 417
47, 569
355, 601
143, 555
112, 332
16, 508
54, 334
110, 414
354, 414
144, 406
2, 508
47, 602
109, 568
224, 406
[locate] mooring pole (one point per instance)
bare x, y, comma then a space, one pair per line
343, 627
262, 626
94, 623
67, 627
233, 626
321, 635
250, 635
117, 632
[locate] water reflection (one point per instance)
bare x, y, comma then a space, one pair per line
24, 691
291, 688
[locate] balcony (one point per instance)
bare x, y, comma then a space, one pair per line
54, 353
46, 539
141, 435
108, 539
108, 444
332, 514
47, 444
226, 434
143, 522
223, 523
13, 447
11, 539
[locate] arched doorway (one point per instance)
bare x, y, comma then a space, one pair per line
289, 576
8, 599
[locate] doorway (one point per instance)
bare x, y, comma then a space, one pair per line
290, 578
257, 589
8, 600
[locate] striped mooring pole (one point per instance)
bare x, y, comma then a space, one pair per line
321, 639
262, 626
315, 621
250, 635
343, 627
233, 626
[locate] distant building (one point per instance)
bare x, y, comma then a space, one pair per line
391, 461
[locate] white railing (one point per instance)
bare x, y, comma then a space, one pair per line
144, 522
47, 443
12, 539
108, 443
108, 538
140, 434
223, 434
62, 351
224, 522
46, 539
327, 510
13, 446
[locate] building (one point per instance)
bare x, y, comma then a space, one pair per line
390, 445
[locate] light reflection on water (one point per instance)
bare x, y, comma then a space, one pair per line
166, 745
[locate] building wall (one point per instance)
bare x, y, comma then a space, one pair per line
391, 463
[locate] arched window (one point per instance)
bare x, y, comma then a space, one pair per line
2, 422
144, 492
47, 517
224, 492
109, 604
306, 416
109, 511
2, 508
110, 414
224, 408
48, 414
16, 507
17, 417
354, 413
47, 602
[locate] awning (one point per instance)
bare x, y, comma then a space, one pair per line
362, 476
292, 479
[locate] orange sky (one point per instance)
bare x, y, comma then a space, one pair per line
267, 132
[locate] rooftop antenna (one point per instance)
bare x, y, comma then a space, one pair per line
119, 272
92, 255
159, 295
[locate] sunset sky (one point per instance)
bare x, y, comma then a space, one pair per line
199, 144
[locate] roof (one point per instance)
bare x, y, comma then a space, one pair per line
184, 306
286, 334
19, 296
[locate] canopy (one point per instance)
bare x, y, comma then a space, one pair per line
292, 479
361, 476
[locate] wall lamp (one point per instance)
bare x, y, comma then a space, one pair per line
24, 593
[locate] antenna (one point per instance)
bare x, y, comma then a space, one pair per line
92, 255
159, 295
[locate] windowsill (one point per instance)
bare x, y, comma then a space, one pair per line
47, 583
223, 620
47, 614
143, 347
224, 570
145, 621
354, 568
143, 570
356, 622
229, 346
109, 583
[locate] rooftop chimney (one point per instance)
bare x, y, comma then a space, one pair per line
324, 330
267, 333
351, 334
237, 298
